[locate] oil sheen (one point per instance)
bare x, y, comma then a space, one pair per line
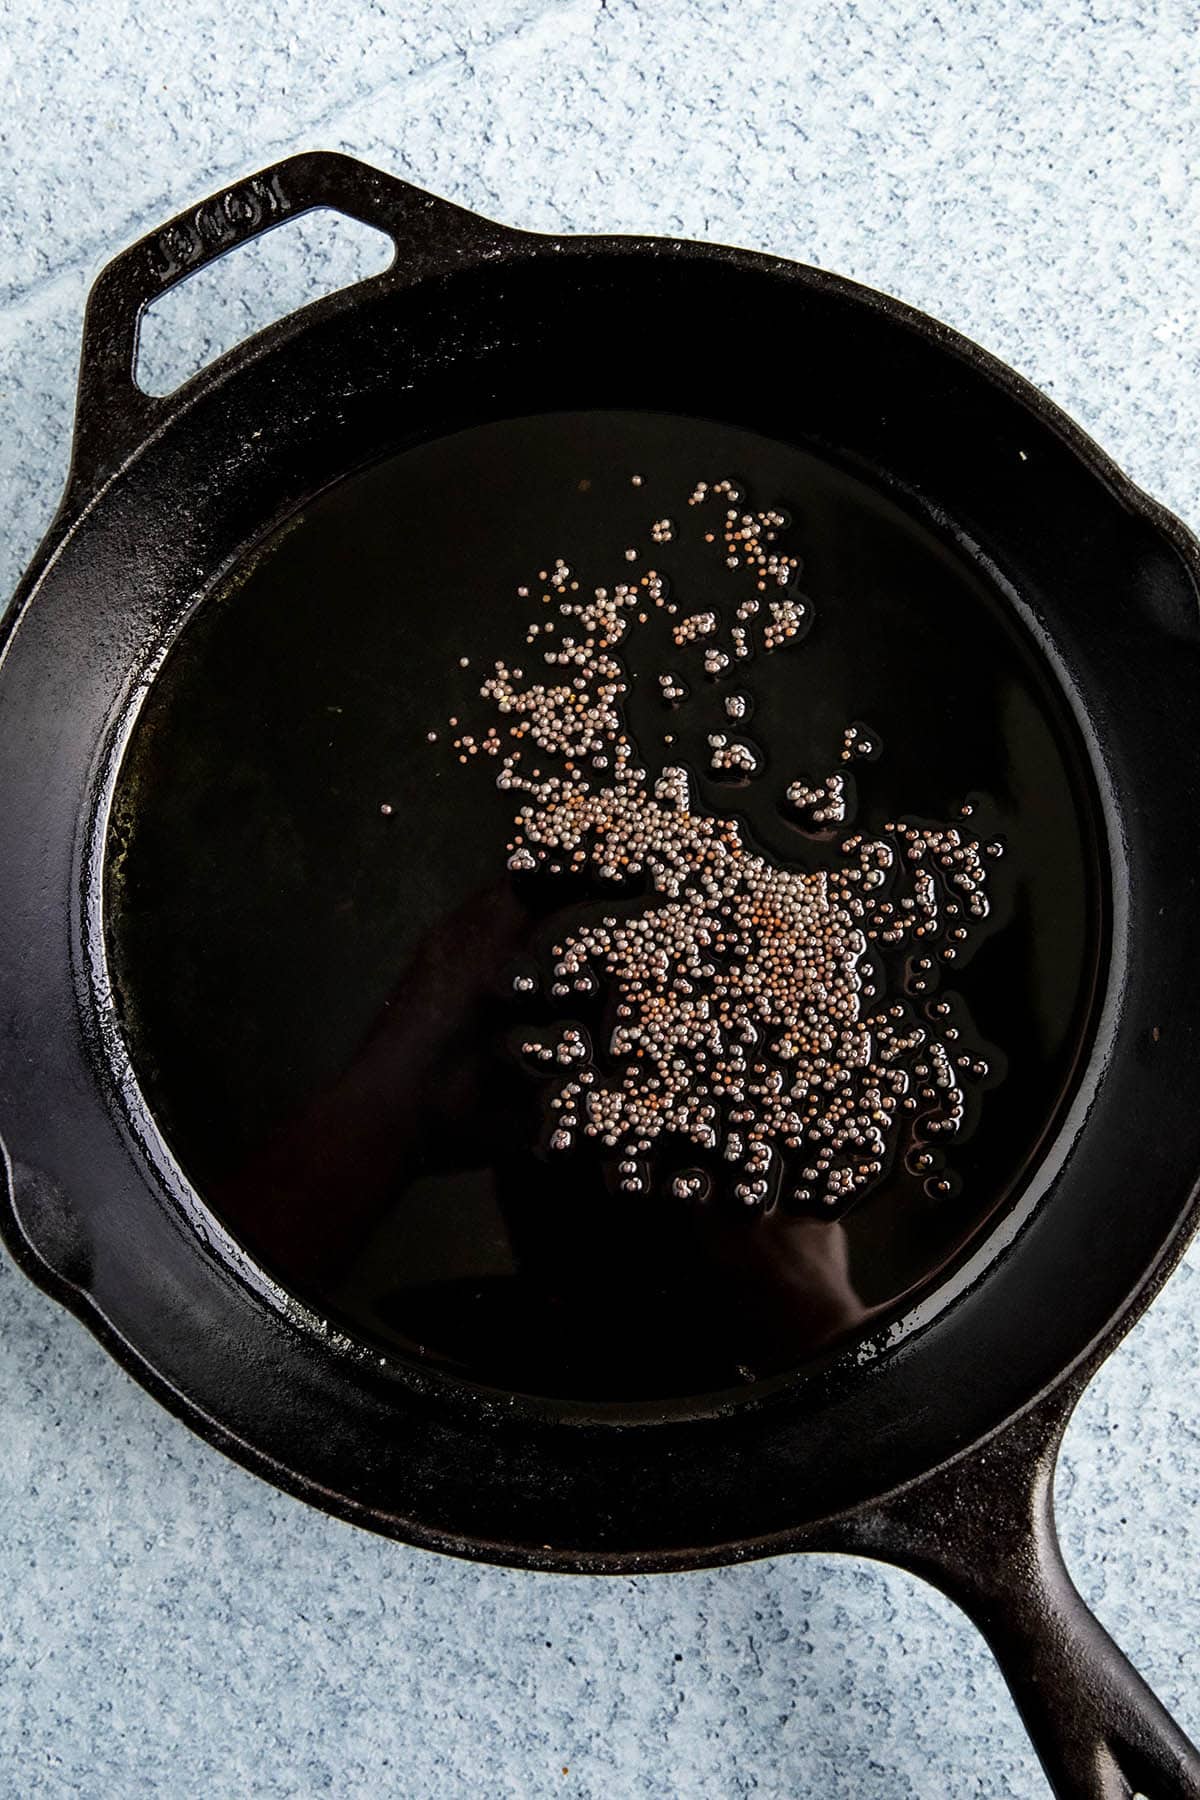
606, 903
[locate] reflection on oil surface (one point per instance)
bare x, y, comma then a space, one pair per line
345, 988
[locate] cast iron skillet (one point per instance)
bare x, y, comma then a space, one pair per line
933, 1446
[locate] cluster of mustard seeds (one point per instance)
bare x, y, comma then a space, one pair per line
731, 755
696, 625
787, 621
821, 804
859, 740
746, 537
745, 1015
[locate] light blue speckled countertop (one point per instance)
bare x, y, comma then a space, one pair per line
168, 1625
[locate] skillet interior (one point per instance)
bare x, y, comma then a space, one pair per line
318, 994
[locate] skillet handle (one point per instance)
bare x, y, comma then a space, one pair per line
112, 413
983, 1531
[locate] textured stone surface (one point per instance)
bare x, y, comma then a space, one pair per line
167, 1624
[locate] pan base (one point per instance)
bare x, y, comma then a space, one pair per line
314, 937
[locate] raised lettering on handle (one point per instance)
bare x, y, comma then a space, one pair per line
112, 413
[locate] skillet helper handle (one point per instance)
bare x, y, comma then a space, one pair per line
113, 414
983, 1531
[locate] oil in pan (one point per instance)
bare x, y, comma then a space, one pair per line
608, 905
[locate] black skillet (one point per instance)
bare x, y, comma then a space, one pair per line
201, 899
